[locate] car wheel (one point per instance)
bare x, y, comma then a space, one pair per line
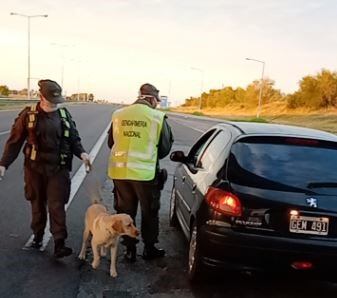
173, 215
195, 266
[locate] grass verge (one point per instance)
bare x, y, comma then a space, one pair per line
323, 120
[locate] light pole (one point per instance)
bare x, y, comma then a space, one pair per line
28, 21
78, 79
261, 85
201, 83
78, 61
62, 46
62, 66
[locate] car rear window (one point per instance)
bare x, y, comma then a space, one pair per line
286, 164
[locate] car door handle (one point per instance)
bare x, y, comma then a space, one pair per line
194, 187
183, 178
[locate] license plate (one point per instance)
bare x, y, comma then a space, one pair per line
309, 225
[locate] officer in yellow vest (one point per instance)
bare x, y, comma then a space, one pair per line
138, 138
51, 139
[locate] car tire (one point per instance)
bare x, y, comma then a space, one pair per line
173, 219
195, 266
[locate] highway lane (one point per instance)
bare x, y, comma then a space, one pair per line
36, 274
6, 118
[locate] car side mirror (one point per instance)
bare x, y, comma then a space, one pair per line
178, 156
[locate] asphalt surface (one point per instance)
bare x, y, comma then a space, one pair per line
37, 274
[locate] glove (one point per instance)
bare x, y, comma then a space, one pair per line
2, 172
86, 160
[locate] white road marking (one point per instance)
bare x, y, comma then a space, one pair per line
179, 122
76, 182
4, 132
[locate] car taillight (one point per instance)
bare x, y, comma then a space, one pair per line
302, 265
223, 201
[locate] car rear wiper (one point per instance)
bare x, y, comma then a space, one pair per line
322, 185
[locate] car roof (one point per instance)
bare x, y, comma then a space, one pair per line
268, 129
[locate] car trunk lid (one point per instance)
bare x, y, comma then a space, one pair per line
286, 188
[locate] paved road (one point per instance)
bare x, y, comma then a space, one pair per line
37, 274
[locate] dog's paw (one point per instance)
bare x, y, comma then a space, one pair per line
113, 273
95, 264
81, 256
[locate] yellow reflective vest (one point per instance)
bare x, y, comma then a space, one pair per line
136, 133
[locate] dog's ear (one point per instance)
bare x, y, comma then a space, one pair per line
117, 225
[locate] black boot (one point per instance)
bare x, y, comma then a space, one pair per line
130, 254
151, 252
37, 241
61, 250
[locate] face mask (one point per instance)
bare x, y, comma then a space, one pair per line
48, 106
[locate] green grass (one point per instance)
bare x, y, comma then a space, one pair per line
164, 109
254, 119
235, 118
6, 103
12, 104
198, 113
320, 120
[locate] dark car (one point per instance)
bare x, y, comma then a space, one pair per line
252, 196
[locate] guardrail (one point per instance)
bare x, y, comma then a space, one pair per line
19, 100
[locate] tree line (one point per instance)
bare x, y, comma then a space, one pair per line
314, 92
6, 92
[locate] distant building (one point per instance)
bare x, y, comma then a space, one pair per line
81, 97
164, 103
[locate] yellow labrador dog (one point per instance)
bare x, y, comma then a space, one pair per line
106, 230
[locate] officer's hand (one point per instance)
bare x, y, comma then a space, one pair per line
2, 172
86, 160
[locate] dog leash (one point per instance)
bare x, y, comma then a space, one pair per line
94, 186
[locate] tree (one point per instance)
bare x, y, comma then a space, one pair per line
4, 90
327, 84
269, 93
190, 102
220, 98
316, 92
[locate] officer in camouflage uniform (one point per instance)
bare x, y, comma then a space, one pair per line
51, 139
139, 137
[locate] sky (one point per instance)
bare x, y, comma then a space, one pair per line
111, 47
